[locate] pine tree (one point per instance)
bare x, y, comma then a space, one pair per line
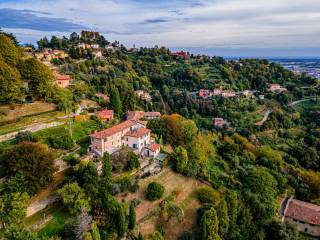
132, 216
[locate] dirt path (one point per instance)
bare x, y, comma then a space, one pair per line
302, 100
31, 128
265, 118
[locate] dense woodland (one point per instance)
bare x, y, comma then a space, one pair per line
247, 168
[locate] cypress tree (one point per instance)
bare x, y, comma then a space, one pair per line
203, 227
121, 222
132, 216
115, 101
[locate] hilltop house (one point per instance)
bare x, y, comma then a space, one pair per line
276, 88
143, 95
182, 54
204, 93
48, 55
102, 96
132, 133
219, 122
304, 215
105, 115
62, 80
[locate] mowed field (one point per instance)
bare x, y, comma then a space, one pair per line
182, 188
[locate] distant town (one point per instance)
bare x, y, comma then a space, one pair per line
308, 66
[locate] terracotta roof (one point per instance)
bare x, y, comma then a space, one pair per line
105, 112
138, 133
303, 211
152, 114
154, 147
137, 115
113, 130
60, 77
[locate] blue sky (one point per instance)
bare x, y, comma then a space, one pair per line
249, 28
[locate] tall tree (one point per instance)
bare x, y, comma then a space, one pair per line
132, 216
222, 213
115, 101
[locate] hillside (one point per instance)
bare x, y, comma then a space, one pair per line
235, 139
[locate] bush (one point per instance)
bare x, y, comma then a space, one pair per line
208, 195
61, 141
154, 191
25, 136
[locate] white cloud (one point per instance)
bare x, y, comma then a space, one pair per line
218, 23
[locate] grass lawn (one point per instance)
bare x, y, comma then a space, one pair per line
306, 106
60, 217
175, 184
80, 130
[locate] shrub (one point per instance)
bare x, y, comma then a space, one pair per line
25, 136
154, 191
61, 141
208, 195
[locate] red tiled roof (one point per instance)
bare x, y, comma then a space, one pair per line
113, 130
136, 115
60, 77
105, 112
154, 147
303, 211
138, 133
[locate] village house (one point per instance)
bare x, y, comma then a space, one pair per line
103, 97
219, 122
48, 55
205, 93
97, 54
137, 139
95, 46
105, 115
143, 95
305, 216
62, 80
276, 88
152, 150
138, 115
132, 133
181, 54
228, 94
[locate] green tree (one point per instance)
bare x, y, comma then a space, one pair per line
38, 76
132, 161
106, 175
74, 198
10, 82
121, 228
10, 53
222, 213
95, 231
213, 225
180, 156
19, 232
115, 101
33, 161
154, 191
132, 216
203, 227
13, 207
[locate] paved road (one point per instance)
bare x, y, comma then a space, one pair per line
302, 100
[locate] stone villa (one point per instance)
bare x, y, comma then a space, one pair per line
132, 133
305, 216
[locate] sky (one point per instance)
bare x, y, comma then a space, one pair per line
230, 28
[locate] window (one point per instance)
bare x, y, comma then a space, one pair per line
306, 230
